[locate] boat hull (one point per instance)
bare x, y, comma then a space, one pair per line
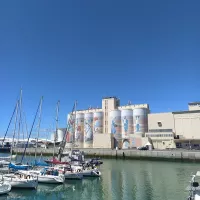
20, 183
45, 178
91, 173
5, 188
76, 176
51, 179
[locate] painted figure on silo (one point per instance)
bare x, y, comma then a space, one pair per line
125, 123
70, 131
137, 123
79, 130
113, 128
88, 130
96, 124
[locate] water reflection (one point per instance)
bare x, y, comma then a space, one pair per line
121, 180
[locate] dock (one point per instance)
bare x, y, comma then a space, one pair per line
171, 155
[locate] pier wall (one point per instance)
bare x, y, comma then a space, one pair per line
174, 155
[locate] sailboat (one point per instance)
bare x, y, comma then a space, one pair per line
46, 174
20, 179
20, 166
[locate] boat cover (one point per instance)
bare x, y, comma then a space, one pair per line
18, 167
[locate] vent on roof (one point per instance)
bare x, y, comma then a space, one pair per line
159, 124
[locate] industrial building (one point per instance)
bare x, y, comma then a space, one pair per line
110, 126
175, 129
131, 126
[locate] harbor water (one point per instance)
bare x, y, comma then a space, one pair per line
121, 179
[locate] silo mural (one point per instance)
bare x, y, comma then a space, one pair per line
70, 130
88, 130
98, 122
140, 121
115, 118
127, 122
79, 130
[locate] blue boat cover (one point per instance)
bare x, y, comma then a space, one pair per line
40, 163
18, 167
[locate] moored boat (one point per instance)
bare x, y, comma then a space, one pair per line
20, 180
88, 171
5, 187
47, 175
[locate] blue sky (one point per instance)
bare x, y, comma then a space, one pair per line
143, 51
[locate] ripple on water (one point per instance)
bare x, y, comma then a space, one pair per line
121, 180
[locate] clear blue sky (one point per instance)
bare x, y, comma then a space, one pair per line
144, 51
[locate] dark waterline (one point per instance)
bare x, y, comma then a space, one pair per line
121, 179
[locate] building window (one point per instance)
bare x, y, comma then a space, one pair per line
160, 130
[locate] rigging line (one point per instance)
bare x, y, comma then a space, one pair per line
9, 123
40, 114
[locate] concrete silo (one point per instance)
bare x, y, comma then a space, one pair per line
79, 130
70, 130
115, 119
127, 122
140, 121
88, 130
98, 122
127, 127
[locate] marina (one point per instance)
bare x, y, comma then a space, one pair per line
120, 179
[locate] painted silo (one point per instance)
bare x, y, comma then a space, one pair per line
98, 122
140, 121
88, 130
79, 130
127, 122
115, 119
60, 135
70, 130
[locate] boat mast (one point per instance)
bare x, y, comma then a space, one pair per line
56, 133
14, 129
9, 123
74, 116
63, 143
20, 118
40, 113
20, 115
31, 130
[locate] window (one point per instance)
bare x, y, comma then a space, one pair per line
160, 130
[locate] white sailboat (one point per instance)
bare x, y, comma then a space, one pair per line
20, 180
68, 172
89, 172
46, 175
4, 187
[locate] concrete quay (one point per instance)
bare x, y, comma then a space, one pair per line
171, 155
